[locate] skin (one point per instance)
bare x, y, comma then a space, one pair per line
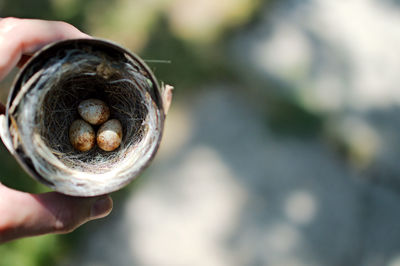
24, 214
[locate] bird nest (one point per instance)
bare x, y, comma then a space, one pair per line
45, 102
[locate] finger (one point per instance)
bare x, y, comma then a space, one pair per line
167, 97
25, 36
24, 214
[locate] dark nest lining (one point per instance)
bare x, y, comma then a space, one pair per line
60, 109
50, 106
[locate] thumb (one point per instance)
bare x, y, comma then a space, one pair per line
24, 214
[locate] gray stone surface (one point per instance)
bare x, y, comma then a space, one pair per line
225, 190
234, 194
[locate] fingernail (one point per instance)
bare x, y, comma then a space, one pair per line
102, 207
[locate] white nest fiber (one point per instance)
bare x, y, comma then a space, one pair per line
46, 104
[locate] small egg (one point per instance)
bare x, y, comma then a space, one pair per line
81, 135
94, 111
109, 135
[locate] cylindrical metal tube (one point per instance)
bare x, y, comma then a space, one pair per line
43, 103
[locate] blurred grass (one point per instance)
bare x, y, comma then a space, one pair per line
191, 66
43, 250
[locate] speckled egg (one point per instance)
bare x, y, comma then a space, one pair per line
109, 135
94, 111
82, 135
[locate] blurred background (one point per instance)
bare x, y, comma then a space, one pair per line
281, 148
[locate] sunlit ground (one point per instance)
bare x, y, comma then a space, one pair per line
227, 199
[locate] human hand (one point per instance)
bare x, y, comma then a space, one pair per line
23, 214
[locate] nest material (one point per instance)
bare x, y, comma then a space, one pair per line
46, 105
